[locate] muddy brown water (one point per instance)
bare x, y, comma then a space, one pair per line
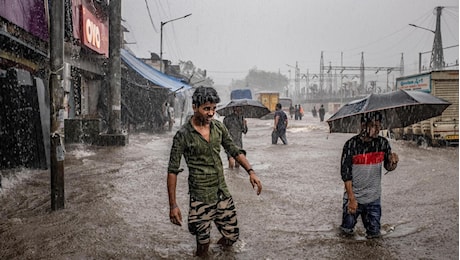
116, 203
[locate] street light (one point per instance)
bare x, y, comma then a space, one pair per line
437, 55
161, 38
416, 26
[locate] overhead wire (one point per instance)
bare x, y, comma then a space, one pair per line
384, 53
450, 39
150, 16
176, 49
449, 15
356, 55
173, 49
383, 37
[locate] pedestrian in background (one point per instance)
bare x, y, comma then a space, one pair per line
168, 115
280, 125
361, 168
301, 112
291, 110
296, 112
321, 113
171, 117
199, 140
237, 126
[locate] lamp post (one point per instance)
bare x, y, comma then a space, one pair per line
161, 38
437, 55
437, 58
416, 26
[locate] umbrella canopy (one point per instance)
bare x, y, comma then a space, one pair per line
249, 108
399, 109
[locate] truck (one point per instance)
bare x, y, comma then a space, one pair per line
244, 93
441, 130
269, 99
286, 103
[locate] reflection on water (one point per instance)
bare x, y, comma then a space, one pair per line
390, 231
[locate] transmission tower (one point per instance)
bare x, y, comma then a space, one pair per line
361, 70
437, 55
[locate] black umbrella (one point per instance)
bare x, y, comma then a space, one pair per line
249, 108
399, 109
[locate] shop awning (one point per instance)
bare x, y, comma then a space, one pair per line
151, 74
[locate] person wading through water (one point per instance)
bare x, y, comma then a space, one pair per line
361, 168
199, 140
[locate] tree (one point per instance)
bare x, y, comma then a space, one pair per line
260, 80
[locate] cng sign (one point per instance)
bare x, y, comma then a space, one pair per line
94, 33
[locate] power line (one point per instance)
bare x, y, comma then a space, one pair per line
426, 15
150, 16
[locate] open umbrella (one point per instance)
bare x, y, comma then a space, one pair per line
249, 108
399, 109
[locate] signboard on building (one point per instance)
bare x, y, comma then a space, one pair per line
30, 15
418, 82
95, 34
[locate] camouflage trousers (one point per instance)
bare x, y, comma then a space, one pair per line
222, 213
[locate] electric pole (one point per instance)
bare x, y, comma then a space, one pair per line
115, 67
361, 74
56, 97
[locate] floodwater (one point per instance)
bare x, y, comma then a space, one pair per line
117, 208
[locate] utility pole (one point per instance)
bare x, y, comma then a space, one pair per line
341, 78
161, 39
289, 85
361, 74
401, 65
115, 67
297, 81
321, 74
306, 77
296, 92
56, 95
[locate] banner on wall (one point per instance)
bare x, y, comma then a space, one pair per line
94, 33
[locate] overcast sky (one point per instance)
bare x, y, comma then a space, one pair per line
229, 37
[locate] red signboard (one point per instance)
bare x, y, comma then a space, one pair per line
95, 34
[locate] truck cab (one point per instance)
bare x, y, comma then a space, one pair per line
241, 94
286, 103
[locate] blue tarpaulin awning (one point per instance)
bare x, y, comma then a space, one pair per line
151, 74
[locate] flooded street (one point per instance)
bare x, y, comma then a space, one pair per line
117, 207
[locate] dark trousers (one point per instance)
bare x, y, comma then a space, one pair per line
279, 134
370, 215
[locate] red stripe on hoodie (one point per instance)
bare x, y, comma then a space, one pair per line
368, 158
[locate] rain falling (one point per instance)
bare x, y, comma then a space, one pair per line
94, 92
